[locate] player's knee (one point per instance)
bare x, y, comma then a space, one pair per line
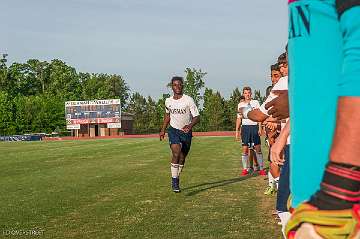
176, 154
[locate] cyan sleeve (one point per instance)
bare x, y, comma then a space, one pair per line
349, 84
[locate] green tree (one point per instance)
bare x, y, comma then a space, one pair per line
63, 81
3, 72
258, 97
153, 123
137, 106
231, 109
7, 125
104, 86
213, 113
194, 82
40, 70
160, 108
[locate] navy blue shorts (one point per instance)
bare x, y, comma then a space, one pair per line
177, 136
284, 183
250, 135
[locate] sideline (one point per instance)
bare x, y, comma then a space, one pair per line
195, 134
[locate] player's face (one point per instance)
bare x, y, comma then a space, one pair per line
275, 76
177, 87
283, 69
247, 94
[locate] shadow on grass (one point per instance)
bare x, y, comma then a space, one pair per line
206, 186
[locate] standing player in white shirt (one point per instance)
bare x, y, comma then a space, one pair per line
250, 134
182, 114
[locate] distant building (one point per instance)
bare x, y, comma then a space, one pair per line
97, 118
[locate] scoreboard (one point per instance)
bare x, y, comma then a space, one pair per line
93, 112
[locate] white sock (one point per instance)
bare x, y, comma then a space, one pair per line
271, 180
174, 170
277, 182
284, 218
181, 166
245, 161
260, 160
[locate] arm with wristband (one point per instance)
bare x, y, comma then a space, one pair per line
334, 211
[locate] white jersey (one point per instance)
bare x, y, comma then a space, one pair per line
255, 105
282, 84
181, 111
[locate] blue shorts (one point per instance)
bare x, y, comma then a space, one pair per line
250, 135
284, 183
177, 136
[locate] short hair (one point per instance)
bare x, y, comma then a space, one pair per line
275, 67
246, 88
242, 97
268, 90
177, 78
282, 59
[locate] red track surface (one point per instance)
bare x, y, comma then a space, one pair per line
196, 134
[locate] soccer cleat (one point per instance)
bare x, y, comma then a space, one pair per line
175, 185
270, 190
262, 172
244, 172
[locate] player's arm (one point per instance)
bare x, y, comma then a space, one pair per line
237, 127
194, 121
339, 189
257, 116
165, 125
279, 107
279, 145
195, 117
260, 132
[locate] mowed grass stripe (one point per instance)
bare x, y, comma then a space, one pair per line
120, 188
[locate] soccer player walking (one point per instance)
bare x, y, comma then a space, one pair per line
182, 114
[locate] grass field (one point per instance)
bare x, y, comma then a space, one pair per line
120, 188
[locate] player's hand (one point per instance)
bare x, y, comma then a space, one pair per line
162, 135
276, 153
240, 112
237, 136
271, 125
186, 128
271, 119
279, 107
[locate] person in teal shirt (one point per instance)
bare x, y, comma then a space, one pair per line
324, 96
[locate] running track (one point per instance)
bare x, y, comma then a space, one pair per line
195, 134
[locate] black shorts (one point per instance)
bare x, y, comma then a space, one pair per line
250, 135
177, 136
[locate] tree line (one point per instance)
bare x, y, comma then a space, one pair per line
33, 94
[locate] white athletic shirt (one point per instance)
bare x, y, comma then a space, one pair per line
282, 84
181, 111
255, 105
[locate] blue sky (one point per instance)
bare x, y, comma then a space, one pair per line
148, 41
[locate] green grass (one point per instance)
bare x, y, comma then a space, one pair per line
120, 188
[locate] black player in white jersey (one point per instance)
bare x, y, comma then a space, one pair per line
182, 114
